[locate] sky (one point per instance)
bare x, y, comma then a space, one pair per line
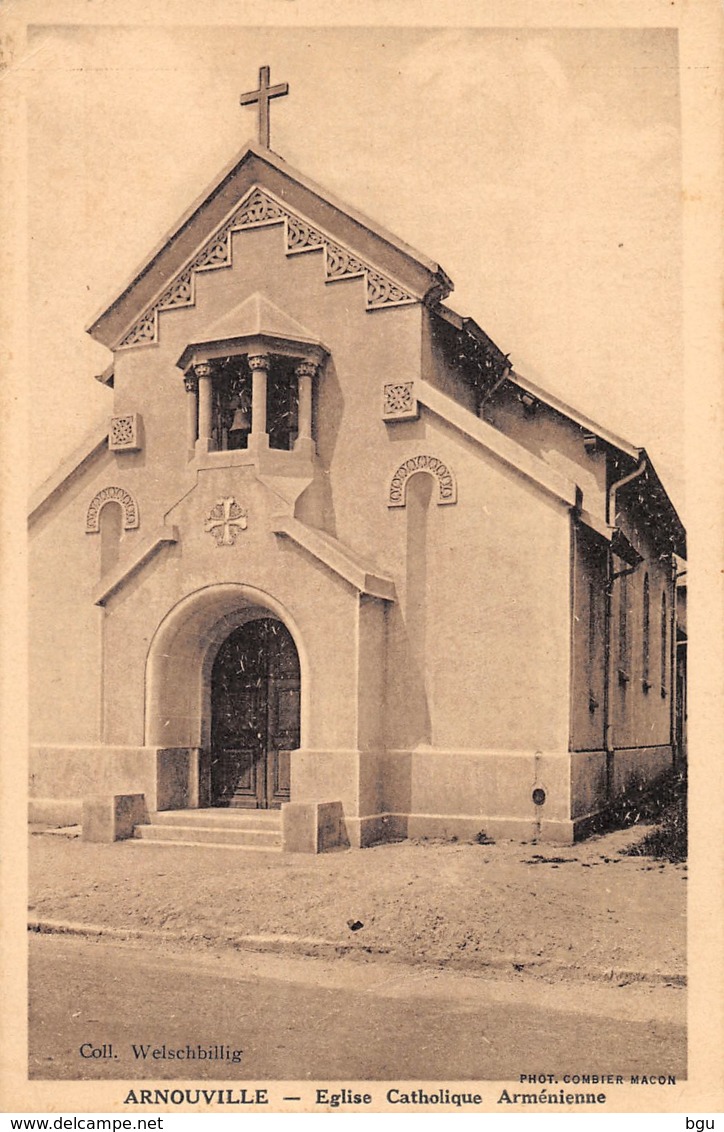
540, 167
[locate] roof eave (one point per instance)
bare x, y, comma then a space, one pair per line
259, 341
94, 443
575, 416
677, 531
468, 326
108, 375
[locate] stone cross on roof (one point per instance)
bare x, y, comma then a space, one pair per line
263, 96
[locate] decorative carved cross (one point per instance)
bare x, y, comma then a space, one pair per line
263, 96
223, 518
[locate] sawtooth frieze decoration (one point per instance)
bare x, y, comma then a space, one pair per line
111, 495
224, 521
399, 401
447, 490
260, 209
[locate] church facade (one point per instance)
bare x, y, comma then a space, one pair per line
333, 557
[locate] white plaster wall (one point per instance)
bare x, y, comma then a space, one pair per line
65, 627
318, 602
495, 673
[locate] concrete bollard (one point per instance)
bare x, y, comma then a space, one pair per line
112, 817
313, 827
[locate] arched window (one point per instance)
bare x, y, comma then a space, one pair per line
623, 655
591, 650
646, 635
664, 644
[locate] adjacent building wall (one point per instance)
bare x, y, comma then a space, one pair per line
623, 681
643, 648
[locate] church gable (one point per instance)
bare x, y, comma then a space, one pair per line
261, 191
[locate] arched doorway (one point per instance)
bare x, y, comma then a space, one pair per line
179, 671
255, 708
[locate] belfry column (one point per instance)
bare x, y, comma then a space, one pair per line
259, 366
306, 371
191, 384
204, 373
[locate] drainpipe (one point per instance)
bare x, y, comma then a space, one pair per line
678, 738
492, 391
673, 664
608, 684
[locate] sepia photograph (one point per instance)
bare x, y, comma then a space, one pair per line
357, 564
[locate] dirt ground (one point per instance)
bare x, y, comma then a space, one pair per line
586, 911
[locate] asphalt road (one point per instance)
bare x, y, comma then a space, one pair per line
306, 1019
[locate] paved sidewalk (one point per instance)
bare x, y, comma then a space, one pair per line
584, 912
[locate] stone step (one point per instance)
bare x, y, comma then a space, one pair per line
218, 817
193, 834
143, 842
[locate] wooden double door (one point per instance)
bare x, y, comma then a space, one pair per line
254, 716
